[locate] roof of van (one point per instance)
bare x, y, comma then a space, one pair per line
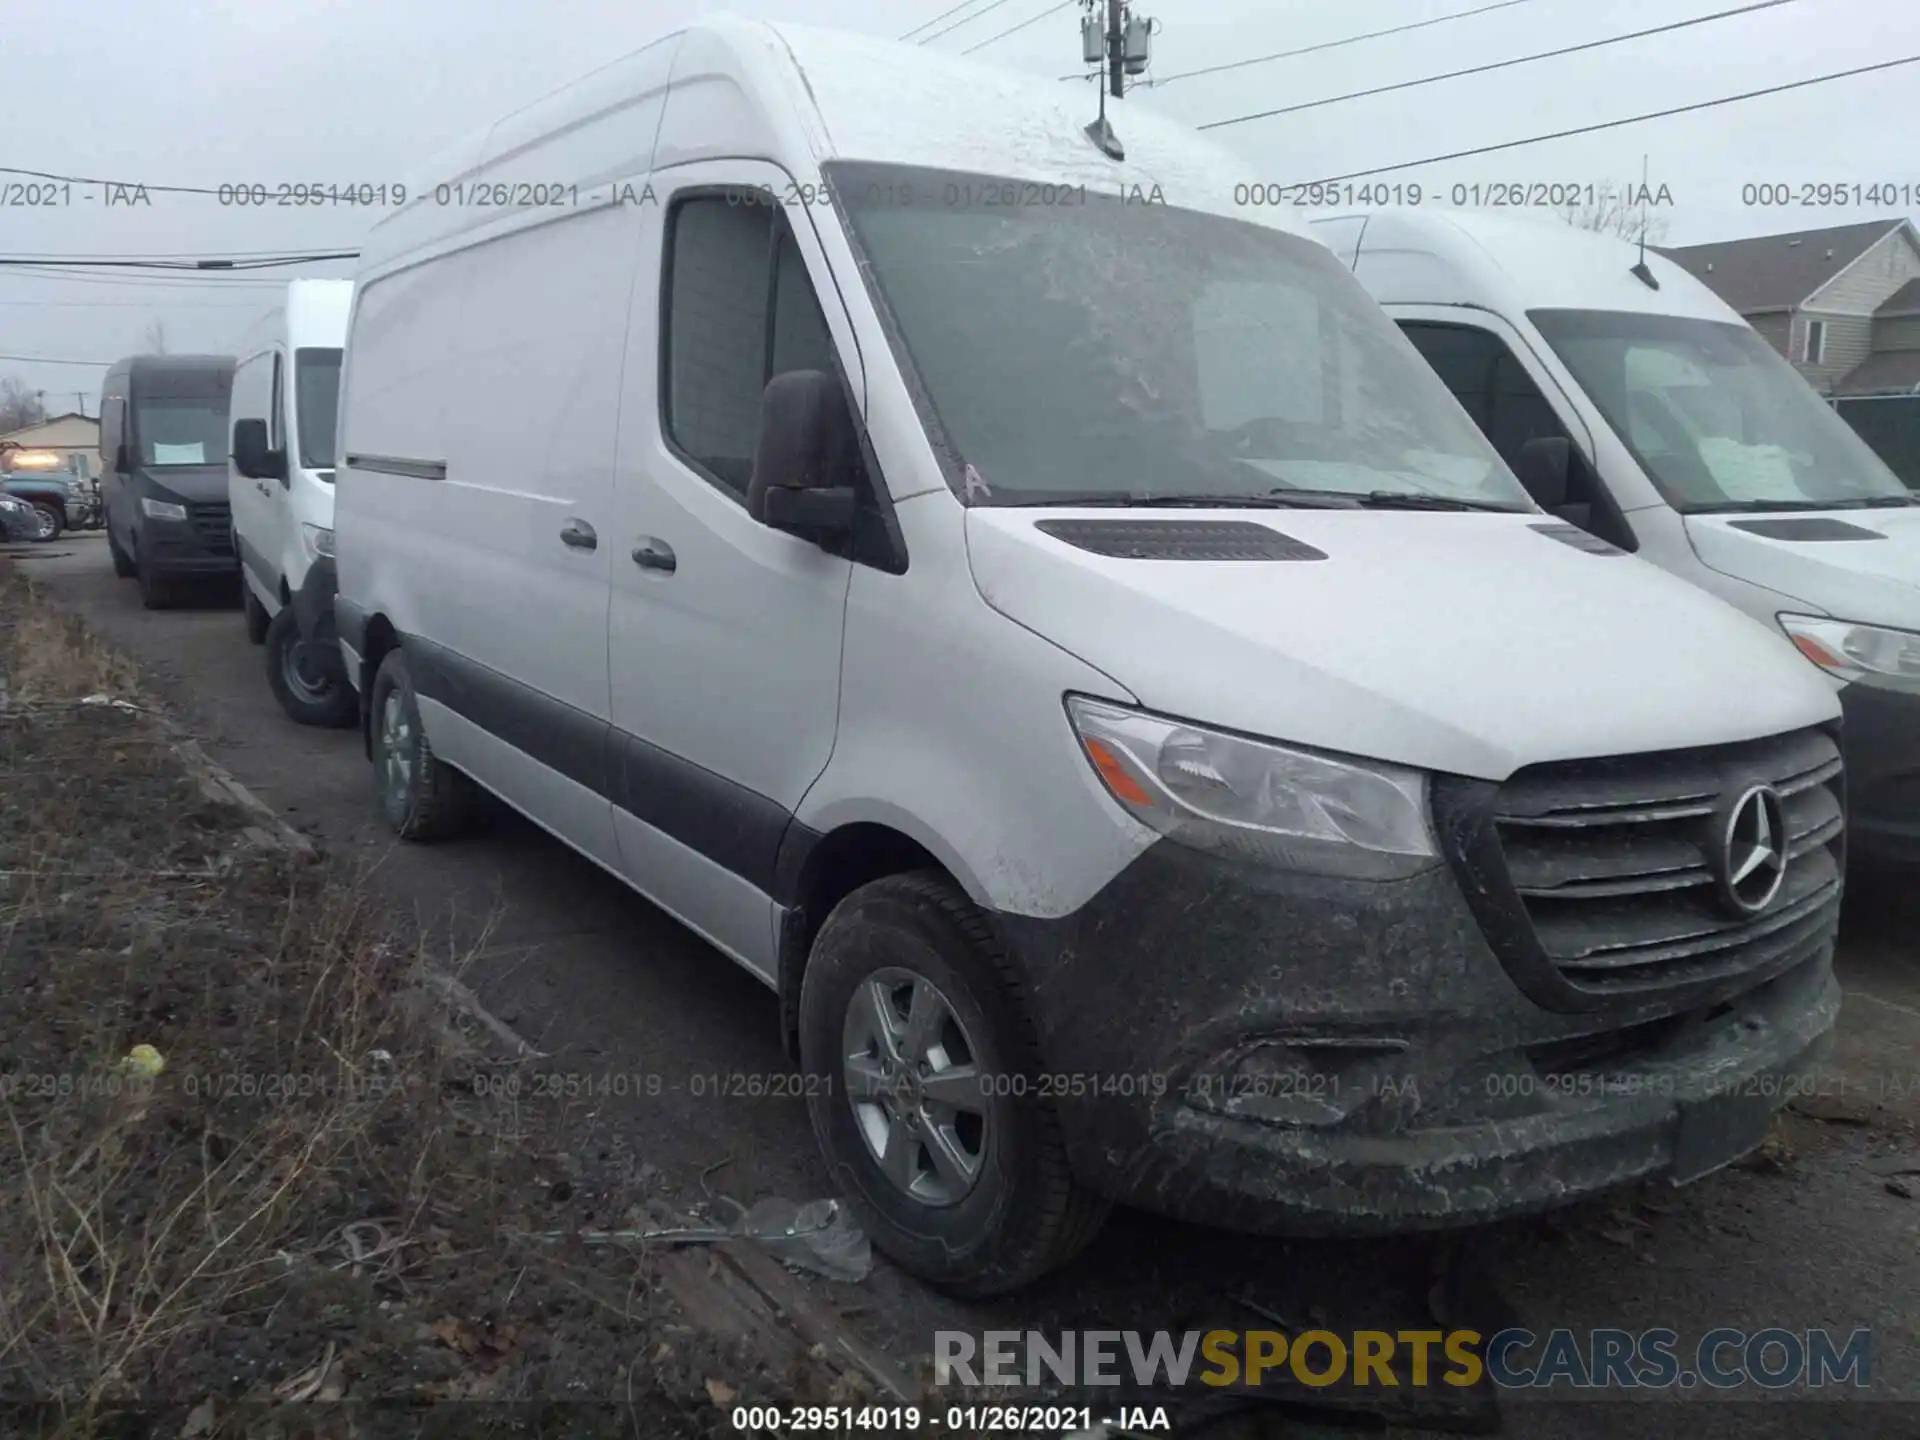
801, 95
317, 310
307, 314
1507, 263
157, 364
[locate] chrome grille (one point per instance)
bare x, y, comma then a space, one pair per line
1609, 864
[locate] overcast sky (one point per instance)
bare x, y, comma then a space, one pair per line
267, 91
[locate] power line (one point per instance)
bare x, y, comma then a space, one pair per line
1500, 64
1628, 120
136, 304
123, 184
924, 24
265, 263
1324, 45
1011, 29
228, 281
51, 360
963, 20
81, 256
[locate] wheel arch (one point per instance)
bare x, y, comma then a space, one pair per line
816, 872
380, 639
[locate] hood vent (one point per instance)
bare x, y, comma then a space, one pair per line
1179, 540
1811, 527
1579, 539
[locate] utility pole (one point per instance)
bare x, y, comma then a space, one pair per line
1112, 38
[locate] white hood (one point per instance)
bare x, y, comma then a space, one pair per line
1875, 582
1461, 642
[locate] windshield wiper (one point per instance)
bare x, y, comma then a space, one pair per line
1750, 507
1286, 500
1409, 500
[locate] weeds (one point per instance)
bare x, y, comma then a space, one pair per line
297, 1195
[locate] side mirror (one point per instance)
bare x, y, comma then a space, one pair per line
251, 457
1543, 466
804, 463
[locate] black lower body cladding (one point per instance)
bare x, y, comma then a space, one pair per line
1881, 740
1285, 1054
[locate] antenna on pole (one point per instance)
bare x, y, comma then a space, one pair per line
1120, 45
1640, 271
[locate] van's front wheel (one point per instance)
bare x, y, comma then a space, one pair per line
123, 565
914, 1040
257, 618
424, 797
310, 691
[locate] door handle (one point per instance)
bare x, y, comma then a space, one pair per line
654, 554
579, 535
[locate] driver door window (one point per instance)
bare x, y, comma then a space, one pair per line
1489, 381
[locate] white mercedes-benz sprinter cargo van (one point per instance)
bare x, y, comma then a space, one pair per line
1047, 624
1638, 405
286, 395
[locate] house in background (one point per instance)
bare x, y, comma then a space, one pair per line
1831, 301
75, 438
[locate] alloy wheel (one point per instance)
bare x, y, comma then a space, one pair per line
914, 1082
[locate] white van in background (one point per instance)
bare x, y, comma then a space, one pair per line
1636, 404
286, 389
1043, 621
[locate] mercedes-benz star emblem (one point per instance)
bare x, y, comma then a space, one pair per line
1750, 856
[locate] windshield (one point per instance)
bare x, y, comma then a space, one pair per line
316, 385
1099, 348
182, 431
1713, 414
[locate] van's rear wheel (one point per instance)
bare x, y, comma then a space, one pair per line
424, 798
308, 689
122, 562
911, 1023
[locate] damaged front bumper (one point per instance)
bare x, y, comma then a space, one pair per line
1284, 1054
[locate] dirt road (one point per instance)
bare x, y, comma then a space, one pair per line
1808, 1235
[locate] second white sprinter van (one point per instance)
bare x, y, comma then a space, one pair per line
1052, 629
286, 393
1638, 405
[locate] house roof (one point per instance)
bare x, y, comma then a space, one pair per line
48, 424
1882, 373
1778, 272
1904, 301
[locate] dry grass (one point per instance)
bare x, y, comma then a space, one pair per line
311, 1201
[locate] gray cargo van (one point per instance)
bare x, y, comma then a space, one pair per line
163, 457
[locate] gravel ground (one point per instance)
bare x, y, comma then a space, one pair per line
1810, 1232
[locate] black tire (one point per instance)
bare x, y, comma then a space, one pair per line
435, 802
155, 593
257, 618
1025, 1214
122, 562
52, 522
308, 697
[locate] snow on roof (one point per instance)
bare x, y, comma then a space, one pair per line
883, 100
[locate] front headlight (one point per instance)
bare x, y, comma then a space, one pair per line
1850, 652
1257, 801
161, 509
318, 540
